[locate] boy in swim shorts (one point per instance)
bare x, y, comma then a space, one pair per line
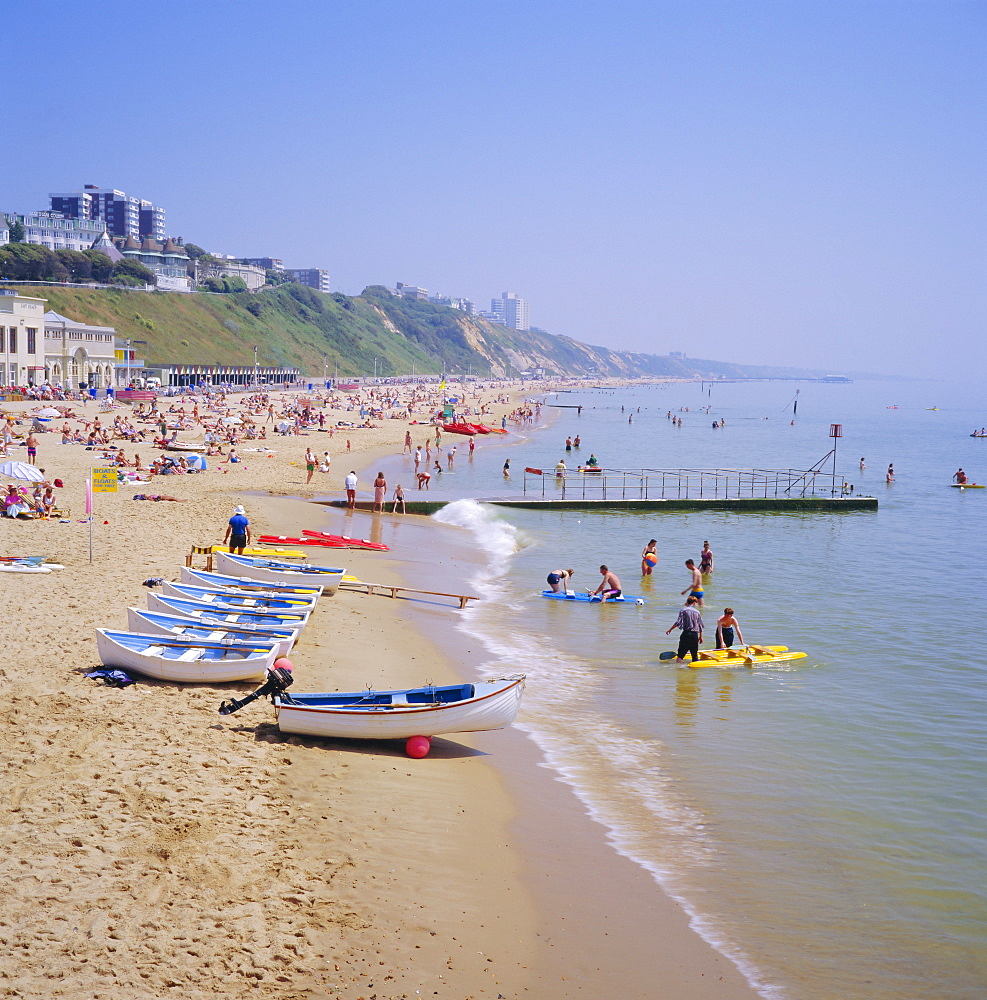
726, 627
695, 589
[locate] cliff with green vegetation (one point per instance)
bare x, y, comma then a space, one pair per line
354, 335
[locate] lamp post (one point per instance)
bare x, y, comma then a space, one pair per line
128, 364
255, 364
325, 367
375, 369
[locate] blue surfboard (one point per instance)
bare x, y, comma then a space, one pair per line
589, 599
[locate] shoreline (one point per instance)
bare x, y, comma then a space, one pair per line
155, 849
635, 931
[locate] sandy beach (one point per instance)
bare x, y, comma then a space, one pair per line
155, 848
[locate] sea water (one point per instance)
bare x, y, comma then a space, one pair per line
821, 820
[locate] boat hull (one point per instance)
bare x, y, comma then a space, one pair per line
327, 577
494, 704
161, 657
157, 623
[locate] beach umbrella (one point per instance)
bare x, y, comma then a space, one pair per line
22, 471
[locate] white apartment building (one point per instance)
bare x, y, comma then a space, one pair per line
511, 310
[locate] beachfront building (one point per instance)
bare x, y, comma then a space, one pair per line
76, 354
116, 212
178, 374
53, 230
168, 260
253, 276
21, 326
313, 277
510, 310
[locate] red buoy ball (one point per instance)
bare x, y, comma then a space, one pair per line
284, 663
418, 746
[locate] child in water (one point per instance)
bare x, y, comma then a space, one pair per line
649, 557
726, 626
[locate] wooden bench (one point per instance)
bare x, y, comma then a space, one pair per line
372, 588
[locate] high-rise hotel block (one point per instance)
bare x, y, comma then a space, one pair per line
121, 214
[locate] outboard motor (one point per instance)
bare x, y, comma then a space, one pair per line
278, 680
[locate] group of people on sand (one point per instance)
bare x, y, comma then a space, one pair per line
18, 503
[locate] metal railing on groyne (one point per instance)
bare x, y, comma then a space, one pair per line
681, 484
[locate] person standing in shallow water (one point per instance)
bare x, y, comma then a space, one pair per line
706, 559
695, 589
649, 557
691, 623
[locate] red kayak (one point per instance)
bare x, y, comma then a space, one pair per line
363, 543
352, 543
459, 429
479, 428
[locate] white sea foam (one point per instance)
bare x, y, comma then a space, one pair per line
622, 781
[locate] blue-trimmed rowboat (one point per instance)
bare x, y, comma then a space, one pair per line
276, 571
200, 578
229, 615
175, 659
158, 623
261, 600
386, 715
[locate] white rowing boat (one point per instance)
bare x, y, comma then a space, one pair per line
200, 578
190, 660
385, 715
259, 600
216, 613
275, 571
158, 623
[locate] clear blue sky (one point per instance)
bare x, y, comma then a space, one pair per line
778, 182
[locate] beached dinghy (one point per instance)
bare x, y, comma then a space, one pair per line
259, 600
328, 577
27, 564
230, 616
175, 659
158, 623
398, 715
201, 578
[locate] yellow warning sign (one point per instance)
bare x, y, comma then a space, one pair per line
104, 480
